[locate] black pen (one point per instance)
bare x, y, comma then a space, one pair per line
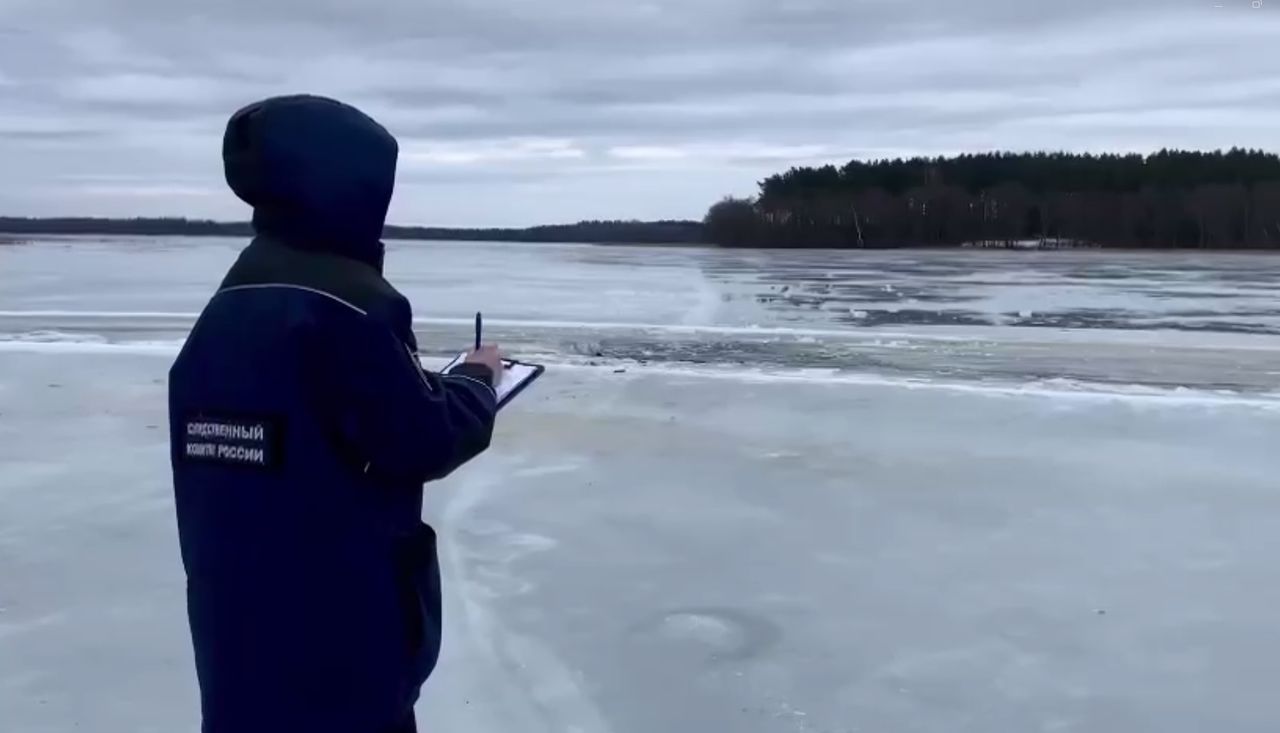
478, 326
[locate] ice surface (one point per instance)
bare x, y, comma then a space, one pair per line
973, 315
809, 526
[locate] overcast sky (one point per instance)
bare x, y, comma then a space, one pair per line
514, 112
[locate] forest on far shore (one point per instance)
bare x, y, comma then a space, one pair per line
1170, 199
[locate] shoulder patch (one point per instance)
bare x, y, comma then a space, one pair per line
254, 442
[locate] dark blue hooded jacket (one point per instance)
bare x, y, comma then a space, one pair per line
302, 431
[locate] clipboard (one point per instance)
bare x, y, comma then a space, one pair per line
516, 376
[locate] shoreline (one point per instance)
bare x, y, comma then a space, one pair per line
27, 238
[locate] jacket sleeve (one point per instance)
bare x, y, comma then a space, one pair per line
407, 424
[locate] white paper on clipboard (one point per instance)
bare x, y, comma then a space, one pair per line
515, 376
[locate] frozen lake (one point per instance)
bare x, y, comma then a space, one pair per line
759, 491
959, 315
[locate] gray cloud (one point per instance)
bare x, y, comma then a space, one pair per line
524, 111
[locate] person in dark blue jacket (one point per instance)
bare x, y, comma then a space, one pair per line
302, 432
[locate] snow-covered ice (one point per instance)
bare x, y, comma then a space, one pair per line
722, 510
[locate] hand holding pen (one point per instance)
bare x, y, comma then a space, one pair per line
488, 355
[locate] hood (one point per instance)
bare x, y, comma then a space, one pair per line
318, 174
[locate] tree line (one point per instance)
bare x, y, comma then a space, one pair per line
602, 232
1218, 200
